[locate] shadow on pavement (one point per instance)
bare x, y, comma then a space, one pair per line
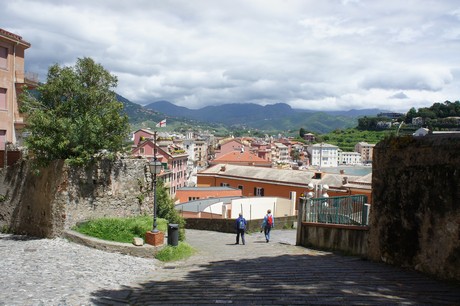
287, 280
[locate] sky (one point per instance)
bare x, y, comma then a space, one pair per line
317, 55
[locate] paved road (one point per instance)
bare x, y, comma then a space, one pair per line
56, 272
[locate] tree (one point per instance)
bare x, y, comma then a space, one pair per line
302, 132
75, 114
167, 210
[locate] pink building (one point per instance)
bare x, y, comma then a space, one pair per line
173, 158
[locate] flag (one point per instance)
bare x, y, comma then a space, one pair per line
161, 123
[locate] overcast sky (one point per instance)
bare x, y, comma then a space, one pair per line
320, 55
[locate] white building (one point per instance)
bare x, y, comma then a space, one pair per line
280, 153
323, 155
349, 158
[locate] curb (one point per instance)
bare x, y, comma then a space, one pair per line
145, 251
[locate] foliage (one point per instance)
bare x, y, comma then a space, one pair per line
167, 210
347, 139
75, 114
170, 253
120, 229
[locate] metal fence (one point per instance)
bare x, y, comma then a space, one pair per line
349, 210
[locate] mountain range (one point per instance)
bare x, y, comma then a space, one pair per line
270, 118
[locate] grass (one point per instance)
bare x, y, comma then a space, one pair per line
120, 229
124, 229
171, 253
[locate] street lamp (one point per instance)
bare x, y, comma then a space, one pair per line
320, 190
155, 169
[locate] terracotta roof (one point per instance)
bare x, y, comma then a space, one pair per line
241, 157
282, 176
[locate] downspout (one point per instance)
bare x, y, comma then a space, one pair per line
14, 93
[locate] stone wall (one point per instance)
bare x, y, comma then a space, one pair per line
59, 196
347, 239
228, 225
415, 217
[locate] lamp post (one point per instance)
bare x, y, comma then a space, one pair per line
318, 190
155, 168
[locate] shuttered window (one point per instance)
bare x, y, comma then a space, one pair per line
3, 104
3, 57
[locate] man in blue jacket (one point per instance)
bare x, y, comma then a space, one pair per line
240, 226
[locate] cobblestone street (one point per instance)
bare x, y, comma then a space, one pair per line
57, 272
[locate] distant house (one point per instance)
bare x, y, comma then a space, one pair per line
173, 158
309, 137
417, 121
228, 145
323, 155
242, 158
421, 132
349, 158
366, 150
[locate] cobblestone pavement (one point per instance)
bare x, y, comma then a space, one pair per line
56, 272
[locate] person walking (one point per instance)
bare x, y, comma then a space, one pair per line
240, 226
267, 224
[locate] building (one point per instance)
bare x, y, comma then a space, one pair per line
349, 158
271, 182
366, 150
228, 145
243, 158
280, 153
12, 80
187, 194
323, 155
173, 158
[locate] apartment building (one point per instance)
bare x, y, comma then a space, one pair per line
349, 158
271, 182
12, 80
173, 158
366, 150
323, 155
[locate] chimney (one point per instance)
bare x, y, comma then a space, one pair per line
345, 180
222, 168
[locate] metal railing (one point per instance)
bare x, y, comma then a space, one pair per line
348, 210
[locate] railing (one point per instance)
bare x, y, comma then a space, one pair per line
348, 210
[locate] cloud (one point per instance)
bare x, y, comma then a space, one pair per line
317, 55
399, 95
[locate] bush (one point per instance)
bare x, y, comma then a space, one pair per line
171, 253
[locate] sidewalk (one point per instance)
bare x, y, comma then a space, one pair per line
278, 273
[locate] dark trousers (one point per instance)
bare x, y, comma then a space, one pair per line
238, 233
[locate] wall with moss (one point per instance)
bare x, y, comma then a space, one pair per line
415, 216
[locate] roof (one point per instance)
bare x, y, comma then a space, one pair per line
202, 204
14, 37
241, 157
217, 188
281, 176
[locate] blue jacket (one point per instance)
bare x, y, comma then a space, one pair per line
264, 223
238, 222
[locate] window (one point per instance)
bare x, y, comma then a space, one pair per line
3, 58
240, 187
224, 184
258, 192
2, 139
3, 104
193, 198
141, 150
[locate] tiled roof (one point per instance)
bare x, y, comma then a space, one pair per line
282, 176
13, 36
241, 157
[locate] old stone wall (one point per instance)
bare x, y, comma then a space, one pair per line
347, 239
59, 196
415, 218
